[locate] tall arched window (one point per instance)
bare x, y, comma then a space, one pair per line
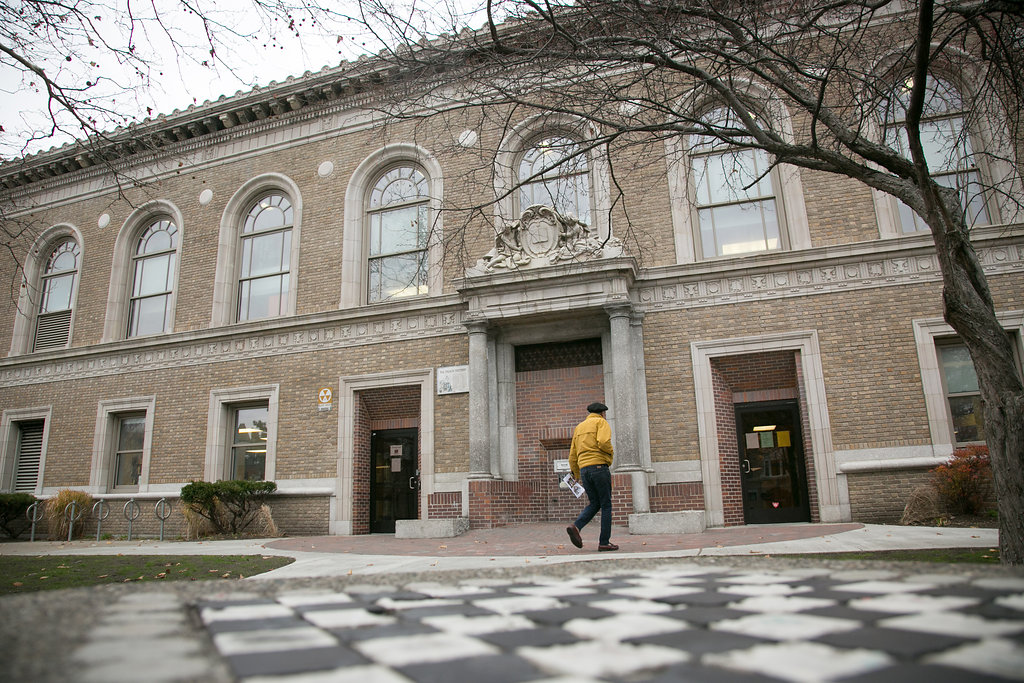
266, 241
553, 171
947, 144
734, 191
57, 292
154, 264
398, 210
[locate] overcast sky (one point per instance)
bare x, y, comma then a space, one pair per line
173, 53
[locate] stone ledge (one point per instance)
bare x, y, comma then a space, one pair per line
685, 522
431, 528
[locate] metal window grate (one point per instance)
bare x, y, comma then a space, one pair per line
30, 452
52, 330
572, 354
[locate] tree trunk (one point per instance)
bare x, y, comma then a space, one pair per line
969, 309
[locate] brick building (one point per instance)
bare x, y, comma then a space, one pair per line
291, 292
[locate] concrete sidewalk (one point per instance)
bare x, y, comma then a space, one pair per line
524, 546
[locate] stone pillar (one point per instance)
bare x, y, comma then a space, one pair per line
479, 403
627, 441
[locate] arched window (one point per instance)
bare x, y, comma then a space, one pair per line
947, 144
397, 210
57, 295
735, 195
154, 265
265, 259
553, 171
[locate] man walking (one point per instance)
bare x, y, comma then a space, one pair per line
590, 457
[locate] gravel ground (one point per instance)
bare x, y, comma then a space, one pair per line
39, 631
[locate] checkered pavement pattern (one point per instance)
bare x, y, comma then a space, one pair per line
670, 625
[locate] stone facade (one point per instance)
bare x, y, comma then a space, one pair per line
844, 324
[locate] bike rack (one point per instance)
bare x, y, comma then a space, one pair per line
131, 513
162, 505
69, 510
30, 514
100, 511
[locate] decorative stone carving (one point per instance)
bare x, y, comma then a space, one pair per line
543, 237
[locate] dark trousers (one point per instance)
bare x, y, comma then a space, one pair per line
597, 482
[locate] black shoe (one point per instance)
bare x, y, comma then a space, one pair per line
574, 535
610, 546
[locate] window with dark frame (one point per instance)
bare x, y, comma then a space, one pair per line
248, 456
131, 438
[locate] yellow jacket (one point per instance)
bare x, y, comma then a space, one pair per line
591, 444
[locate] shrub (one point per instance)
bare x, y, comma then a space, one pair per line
13, 506
230, 507
57, 519
965, 482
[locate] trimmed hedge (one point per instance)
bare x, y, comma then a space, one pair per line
230, 506
13, 507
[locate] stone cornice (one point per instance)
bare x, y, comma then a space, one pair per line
271, 338
554, 290
824, 270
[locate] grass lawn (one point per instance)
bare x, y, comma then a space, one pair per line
20, 574
946, 555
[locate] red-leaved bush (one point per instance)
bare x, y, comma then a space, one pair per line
965, 482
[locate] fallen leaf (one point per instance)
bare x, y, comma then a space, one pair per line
17, 583
226, 576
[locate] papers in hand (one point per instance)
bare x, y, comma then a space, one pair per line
574, 486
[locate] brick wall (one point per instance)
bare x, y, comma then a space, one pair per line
549, 405
879, 497
495, 503
677, 497
444, 505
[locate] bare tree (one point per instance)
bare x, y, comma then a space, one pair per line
82, 75
867, 83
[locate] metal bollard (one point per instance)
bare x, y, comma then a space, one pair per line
100, 511
161, 505
69, 510
30, 514
131, 513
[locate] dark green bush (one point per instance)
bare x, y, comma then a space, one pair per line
229, 506
13, 520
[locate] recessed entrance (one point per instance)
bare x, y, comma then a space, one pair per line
394, 478
773, 474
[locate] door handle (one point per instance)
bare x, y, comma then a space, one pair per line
413, 483
746, 466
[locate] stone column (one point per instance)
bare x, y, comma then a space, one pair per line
627, 441
479, 403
